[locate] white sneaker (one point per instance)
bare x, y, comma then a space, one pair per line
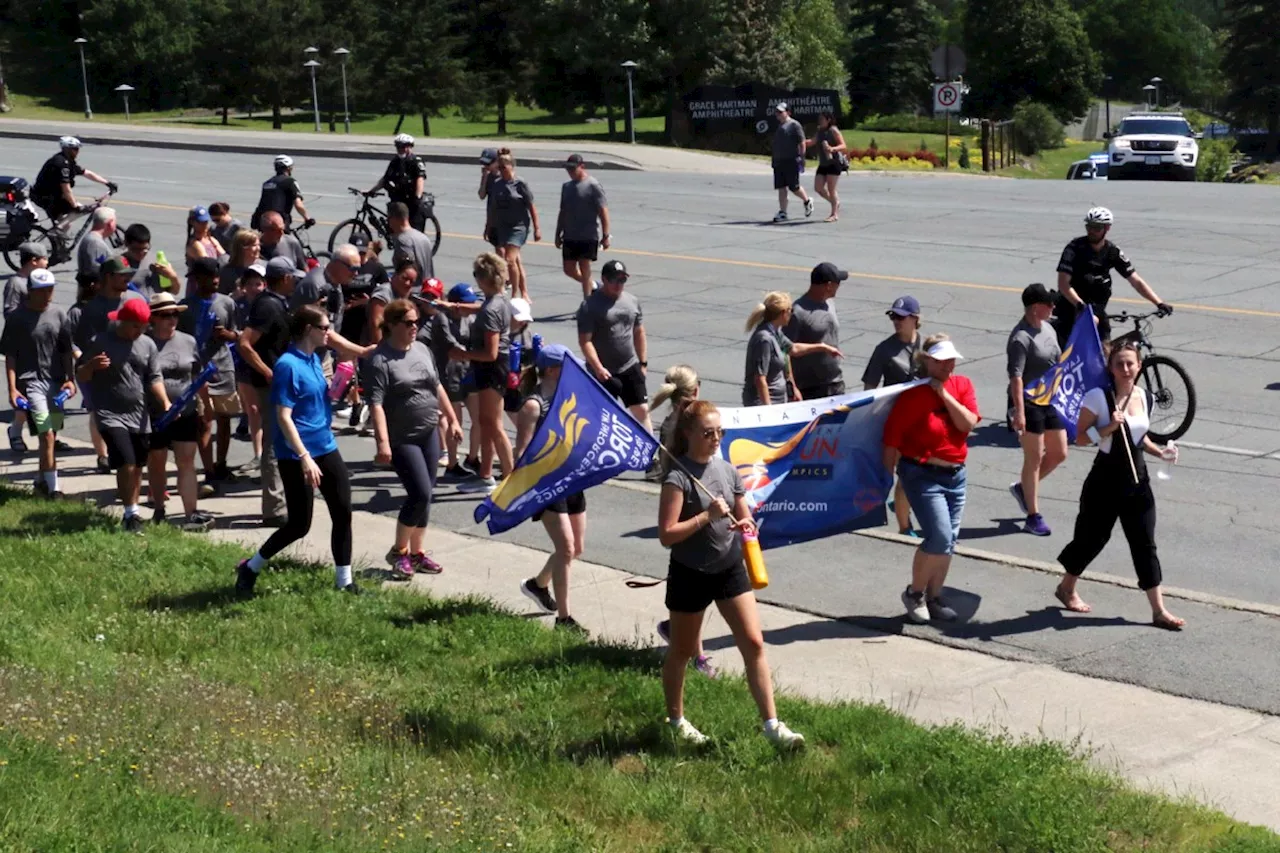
784, 737
917, 608
939, 610
781, 216
686, 733
808, 207
479, 485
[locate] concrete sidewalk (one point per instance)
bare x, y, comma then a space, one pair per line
1221, 756
599, 155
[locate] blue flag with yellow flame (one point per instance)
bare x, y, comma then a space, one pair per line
1080, 369
586, 438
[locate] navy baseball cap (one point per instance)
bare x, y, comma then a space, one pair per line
463, 293
825, 272
904, 306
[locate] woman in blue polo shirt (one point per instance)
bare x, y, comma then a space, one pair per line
307, 452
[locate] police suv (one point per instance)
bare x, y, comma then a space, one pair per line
1153, 145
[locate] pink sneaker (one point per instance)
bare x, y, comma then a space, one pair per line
423, 564
402, 569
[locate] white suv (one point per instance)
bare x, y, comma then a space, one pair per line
1151, 145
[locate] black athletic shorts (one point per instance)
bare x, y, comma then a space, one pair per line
692, 591
55, 208
183, 428
491, 375
1041, 419
629, 386
786, 174
575, 504
125, 447
817, 392
579, 250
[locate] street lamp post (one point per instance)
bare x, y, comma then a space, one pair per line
1106, 86
1147, 90
124, 89
1155, 82
346, 112
631, 102
84, 77
315, 99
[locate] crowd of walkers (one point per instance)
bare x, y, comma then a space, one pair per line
280, 347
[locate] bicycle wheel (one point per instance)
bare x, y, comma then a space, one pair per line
433, 231
346, 230
323, 256
39, 236
1174, 396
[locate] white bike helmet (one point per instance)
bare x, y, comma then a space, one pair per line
402, 139
68, 142
1098, 216
284, 161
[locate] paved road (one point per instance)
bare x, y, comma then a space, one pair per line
965, 248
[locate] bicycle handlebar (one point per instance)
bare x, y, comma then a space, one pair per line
355, 191
1125, 316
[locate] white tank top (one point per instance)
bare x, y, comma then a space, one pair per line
1095, 401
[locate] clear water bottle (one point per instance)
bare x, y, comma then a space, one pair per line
1168, 458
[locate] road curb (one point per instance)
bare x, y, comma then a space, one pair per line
329, 153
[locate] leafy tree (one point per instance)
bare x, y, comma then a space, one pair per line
817, 43
498, 46
889, 56
1028, 49
1251, 64
752, 46
685, 39
409, 60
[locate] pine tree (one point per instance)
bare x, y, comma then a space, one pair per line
1251, 63
889, 56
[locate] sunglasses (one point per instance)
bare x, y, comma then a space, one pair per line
1096, 227
325, 328
410, 323
713, 432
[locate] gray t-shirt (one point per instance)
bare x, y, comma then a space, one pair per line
37, 343
580, 206
15, 293
765, 357
147, 284
92, 253
612, 324
417, 247
892, 362
200, 320
120, 393
405, 383
224, 234
787, 140
715, 548
448, 333
288, 247
814, 322
508, 203
93, 317
179, 363
1032, 352
494, 316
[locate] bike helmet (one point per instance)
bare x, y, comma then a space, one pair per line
68, 142
283, 161
1098, 216
402, 139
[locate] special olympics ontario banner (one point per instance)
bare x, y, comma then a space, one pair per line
1080, 368
812, 469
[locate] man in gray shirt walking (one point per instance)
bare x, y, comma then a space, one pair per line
814, 321
788, 162
95, 248
584, 214
409, 241
611, 335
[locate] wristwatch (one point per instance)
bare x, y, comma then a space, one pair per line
644, 364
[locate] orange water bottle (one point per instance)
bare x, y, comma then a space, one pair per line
754, 559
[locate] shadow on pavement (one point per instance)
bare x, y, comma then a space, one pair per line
1004, 527
1049, 619
642, 533
993, 434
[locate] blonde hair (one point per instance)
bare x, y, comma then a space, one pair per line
679, 384
775, 304
507, 160
929, 342
489, 266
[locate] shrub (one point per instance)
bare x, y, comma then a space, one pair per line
964, 155
924, 145
902, 123
873, 146
1037, 128
1216, 158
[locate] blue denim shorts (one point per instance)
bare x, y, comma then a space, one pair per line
936, 496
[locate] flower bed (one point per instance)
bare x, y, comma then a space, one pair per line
894, 159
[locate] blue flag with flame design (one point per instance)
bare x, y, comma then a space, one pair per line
1080, 369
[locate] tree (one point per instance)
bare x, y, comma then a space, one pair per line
498, 48
817, 43
149, 44
752, 47
1028, 49
410, 63
685, 41
889, 56
1251, 64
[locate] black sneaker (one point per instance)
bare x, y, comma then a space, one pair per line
539, 595
356, 410
245, 579
242, 430
456, 474
132, 524
104, 465
353, 588
61, 446
158, 517
223, 474
40, 488
472, 466
197, 522
568, 623
17, 443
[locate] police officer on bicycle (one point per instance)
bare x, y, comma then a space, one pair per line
405, 180
1084, 277
52, 189
281, 194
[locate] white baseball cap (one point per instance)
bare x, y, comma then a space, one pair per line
943, 351
521, 310
40, 279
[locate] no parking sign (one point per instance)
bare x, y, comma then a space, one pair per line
946, 97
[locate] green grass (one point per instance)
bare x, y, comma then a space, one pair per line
146, 709
1052, 164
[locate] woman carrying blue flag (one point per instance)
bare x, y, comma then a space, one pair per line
702, 513
566, 519
1118, 487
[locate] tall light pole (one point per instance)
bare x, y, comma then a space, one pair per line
315, 99
84, 77
1147, 90
346, 113
631, 102
124, 89
1156, 81
1106, 85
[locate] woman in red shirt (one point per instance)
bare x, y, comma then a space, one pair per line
924, 438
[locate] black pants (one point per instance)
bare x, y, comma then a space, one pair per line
300, 499
416, 465
1108, 495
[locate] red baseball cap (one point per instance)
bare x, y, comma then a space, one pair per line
434, 288
132, 311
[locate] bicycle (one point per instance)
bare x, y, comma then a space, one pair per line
303, 234
57, 243
368, 215
1168, 381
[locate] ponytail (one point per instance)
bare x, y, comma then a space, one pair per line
775, 304
679, 384
690, 416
